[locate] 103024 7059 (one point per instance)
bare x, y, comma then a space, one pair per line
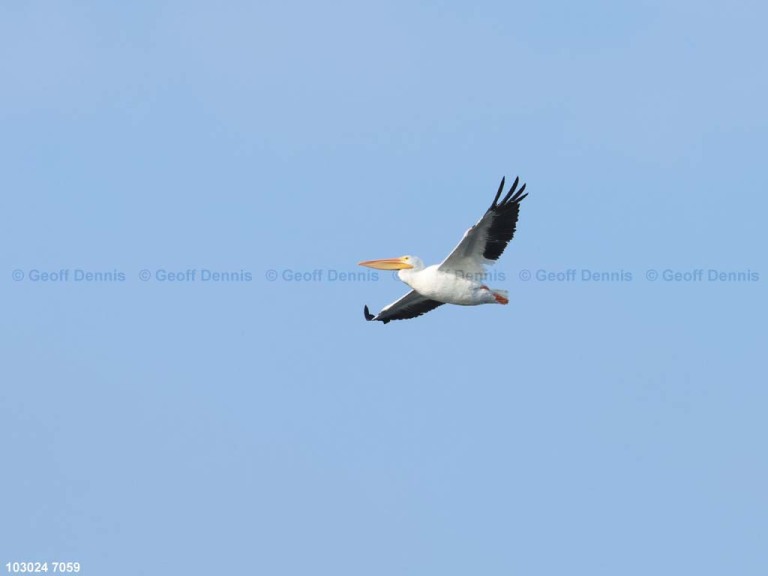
31, 567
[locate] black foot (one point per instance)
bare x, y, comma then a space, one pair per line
368, 315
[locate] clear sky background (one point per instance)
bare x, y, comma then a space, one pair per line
262, 426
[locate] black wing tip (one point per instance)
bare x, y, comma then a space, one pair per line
514, 196
498, 193
503, 221
369, 316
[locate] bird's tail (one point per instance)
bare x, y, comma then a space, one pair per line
501, 296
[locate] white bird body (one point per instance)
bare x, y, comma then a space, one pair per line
458, 278
447, 286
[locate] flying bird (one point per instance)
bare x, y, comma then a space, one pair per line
459, 278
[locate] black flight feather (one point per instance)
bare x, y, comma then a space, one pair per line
505, 214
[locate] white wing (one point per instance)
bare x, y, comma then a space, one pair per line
485, 241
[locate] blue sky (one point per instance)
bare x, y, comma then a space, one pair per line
261, 425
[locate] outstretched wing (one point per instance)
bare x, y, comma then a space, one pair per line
411, 305
485, 241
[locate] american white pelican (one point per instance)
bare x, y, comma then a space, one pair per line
459, 278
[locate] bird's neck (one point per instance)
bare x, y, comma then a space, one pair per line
407, 275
